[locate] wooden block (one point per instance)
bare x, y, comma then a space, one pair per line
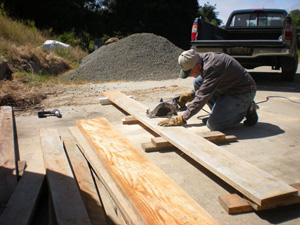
212, 135
217, 137
160, 142
129, 120
68, 204
8, 176
86, 183
297, 187
150, 147
234, 204
23, 201
154, 196
262, 188
21, 167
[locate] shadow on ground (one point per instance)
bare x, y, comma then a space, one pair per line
260, 130
271, 81
281, 214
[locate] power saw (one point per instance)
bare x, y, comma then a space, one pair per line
165, 109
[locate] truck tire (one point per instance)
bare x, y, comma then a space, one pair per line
288, 68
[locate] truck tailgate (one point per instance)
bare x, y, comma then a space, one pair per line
238, 43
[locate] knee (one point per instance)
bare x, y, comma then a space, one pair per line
214, 126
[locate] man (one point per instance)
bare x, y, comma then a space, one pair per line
223, 84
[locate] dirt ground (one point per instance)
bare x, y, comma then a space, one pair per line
272, 145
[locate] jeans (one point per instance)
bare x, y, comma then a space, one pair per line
226, 109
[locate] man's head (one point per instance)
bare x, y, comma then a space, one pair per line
187, 61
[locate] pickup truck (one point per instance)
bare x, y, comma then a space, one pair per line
254, 37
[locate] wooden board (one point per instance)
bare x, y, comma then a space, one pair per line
8, 176
150, 147
102, 174
257, 185
154, 196
129, 120
86, 183
22, 203
68, 205
234, 204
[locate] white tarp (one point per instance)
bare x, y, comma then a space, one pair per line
50, 44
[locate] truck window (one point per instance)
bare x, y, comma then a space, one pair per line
257, 19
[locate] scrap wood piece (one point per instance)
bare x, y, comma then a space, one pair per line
217, 137
235, 204
254, 183
68, 205
85, 182
23, 201
129, 120
150, 147
154, 196
103, 175
8, 176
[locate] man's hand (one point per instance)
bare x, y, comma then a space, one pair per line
185, 98
176, 121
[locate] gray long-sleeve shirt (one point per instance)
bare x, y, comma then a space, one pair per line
220, 73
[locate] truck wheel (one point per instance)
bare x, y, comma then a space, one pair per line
289, 68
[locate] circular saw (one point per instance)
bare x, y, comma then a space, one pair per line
165, 109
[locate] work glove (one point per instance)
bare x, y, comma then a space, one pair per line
185, 98
176, 121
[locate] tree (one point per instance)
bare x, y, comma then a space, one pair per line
208, 14
60, 16
295, 15
90, 19
171, 19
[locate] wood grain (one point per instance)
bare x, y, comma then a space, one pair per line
86, 183
22, 203
155, 197
68, 205
8, 177
257, 185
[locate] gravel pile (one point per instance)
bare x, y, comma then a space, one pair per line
134, 58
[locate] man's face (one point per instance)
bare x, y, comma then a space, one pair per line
196, 71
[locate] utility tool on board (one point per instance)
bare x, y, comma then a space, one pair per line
165, 109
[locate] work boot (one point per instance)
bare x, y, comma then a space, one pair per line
251, 116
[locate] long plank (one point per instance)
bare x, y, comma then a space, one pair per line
154, 196
23, 201
68, 204
257, 185
8, 177
86, 183
110, 186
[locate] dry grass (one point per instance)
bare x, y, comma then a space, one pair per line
18, 95
21, 46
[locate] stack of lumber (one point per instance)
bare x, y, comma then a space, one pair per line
18, 197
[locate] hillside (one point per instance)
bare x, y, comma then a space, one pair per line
25, 66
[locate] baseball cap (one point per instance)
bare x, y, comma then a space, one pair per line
187, 60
